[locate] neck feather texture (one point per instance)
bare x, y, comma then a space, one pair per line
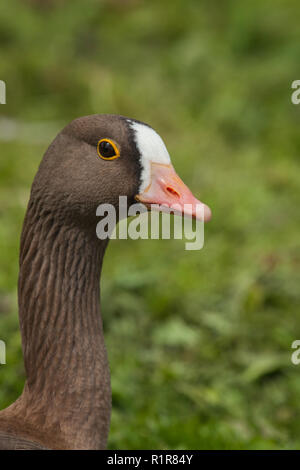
66, 400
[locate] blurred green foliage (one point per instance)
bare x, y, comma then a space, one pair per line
199, 342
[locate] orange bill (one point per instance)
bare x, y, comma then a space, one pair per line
168, 191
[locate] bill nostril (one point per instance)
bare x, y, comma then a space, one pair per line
172, 191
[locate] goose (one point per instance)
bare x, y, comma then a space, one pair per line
66, 400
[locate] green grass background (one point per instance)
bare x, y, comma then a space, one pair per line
199, 342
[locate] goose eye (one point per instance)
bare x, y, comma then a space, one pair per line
107, 149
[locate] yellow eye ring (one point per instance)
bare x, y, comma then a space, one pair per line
112, 147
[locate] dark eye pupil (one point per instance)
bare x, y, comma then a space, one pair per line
106, 149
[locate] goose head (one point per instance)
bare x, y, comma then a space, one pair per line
92, 161
97, 158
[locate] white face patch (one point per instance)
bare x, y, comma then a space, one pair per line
151, 148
